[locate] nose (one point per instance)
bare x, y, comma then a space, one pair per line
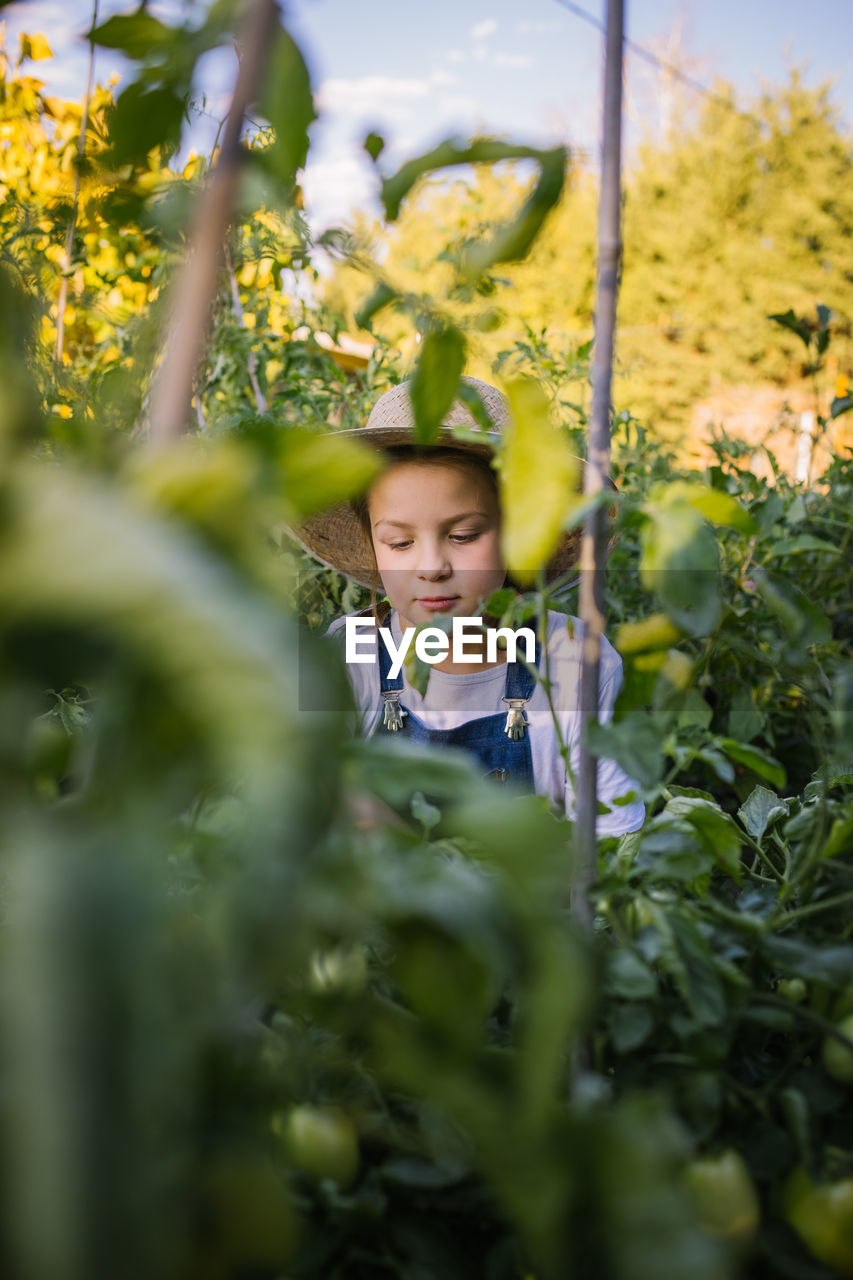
435, 565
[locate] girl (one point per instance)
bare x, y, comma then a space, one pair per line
428, 535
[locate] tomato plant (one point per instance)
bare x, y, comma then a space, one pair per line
276, 1001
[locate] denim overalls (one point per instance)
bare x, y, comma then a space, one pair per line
504, 758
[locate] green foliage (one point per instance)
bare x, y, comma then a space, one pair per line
280, 1002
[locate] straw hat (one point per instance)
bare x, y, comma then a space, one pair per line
336, 536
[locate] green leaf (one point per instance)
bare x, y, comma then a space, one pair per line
761, 809
628, 976
428, 815
287, 103
716, 830
135, 34
679, 561
634, 742
701, 985
800, 544
374, 145
840, 838
143, 119
381, 297
649, 634
417, 671
539, 481
758, 761
473, 401
511, 241
630, 1025
832, 964
83, 556
412, 1171
789, 320
318, 470
745, 720
720, 507
840, 404
436, 380
670, 849
804, 622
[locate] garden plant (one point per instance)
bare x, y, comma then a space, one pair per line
279, 1002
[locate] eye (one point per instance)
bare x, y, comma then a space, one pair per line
399, 546
464, 537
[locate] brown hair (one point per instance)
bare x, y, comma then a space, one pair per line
442, 455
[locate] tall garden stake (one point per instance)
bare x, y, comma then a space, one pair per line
196, 286
595, 534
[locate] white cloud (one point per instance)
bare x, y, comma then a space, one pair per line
456, 55
539, 28
480, 53
337, 184
370, 94
443, 79
483, 29
459, 106
511, 60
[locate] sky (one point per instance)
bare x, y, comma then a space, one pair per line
528, 70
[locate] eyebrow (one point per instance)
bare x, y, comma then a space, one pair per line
463, 515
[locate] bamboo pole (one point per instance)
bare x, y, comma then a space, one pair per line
595, 534
197, 283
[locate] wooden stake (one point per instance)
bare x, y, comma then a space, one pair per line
197, 283
595, 534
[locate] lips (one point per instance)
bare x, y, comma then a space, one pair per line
437, 603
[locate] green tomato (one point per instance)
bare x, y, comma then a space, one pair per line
48, 748
837, 1058
793, 989
639, 914
822, 1216
321, 1141
254, 1224
724, 1196
339, 971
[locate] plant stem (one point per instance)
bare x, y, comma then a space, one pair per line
260, 399
826, 904
75, 198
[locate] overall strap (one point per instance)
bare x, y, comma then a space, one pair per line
391, 689
385, 681
520, 681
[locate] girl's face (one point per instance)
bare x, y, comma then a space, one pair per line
436, 535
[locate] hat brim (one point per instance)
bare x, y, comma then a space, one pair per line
337, 539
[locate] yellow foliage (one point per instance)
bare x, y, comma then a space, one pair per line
538, 481
35, 47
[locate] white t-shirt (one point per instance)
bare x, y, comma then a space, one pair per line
452, 699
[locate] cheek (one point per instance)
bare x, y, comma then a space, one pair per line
487, 556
